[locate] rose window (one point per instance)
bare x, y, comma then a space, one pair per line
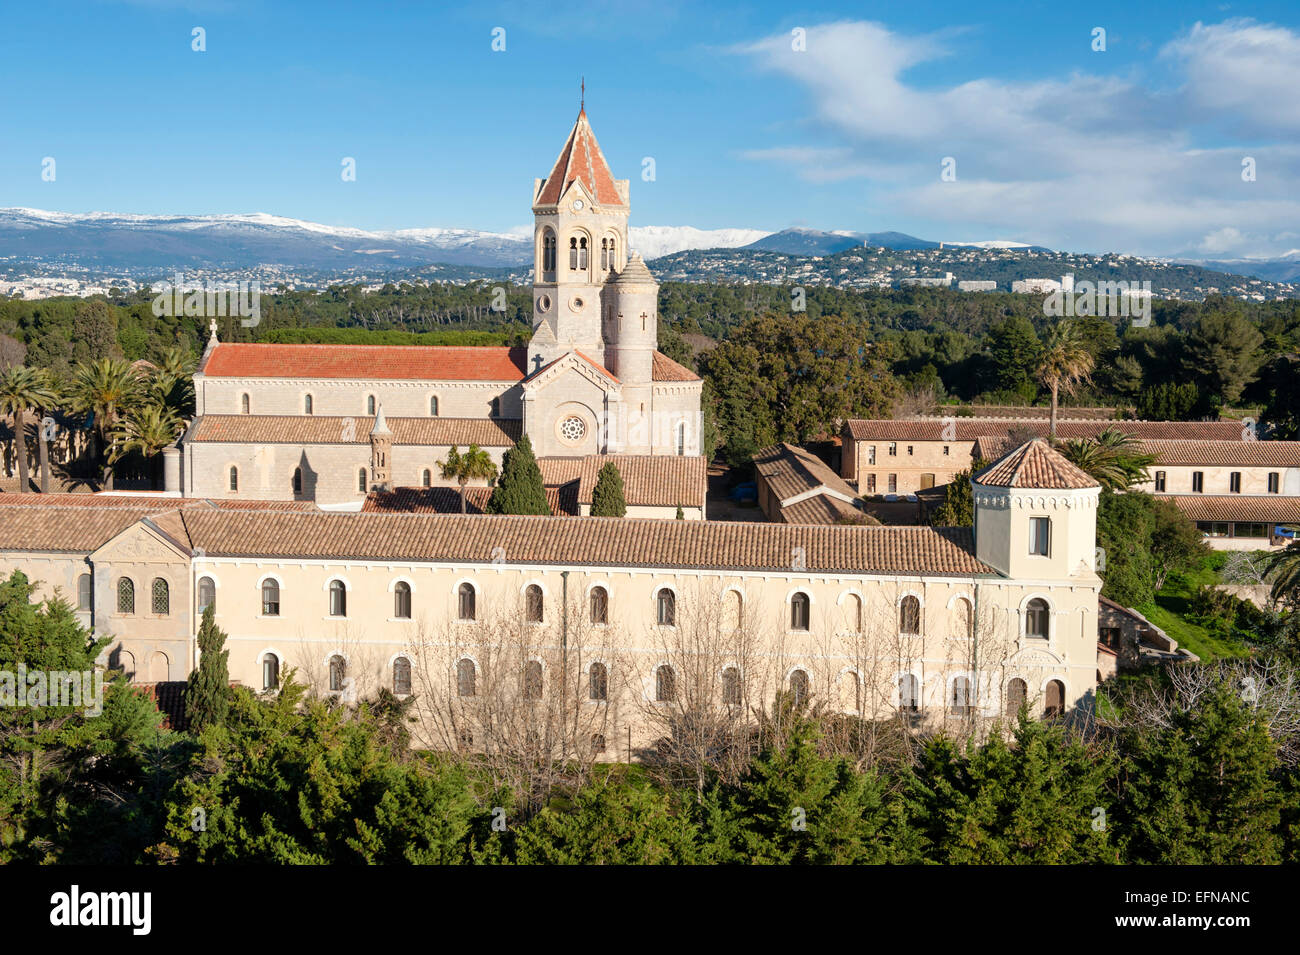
573, 429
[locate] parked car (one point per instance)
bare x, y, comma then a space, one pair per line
744, 491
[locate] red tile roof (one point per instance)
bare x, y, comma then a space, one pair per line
378, 362
1254, 509
325, 429
563, 500
1277, 454
650, 480
790, 470
969, 429
663, 368
581, 159
1035, 465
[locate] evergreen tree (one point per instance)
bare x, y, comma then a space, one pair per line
680, 515
607, 496
520, 490
958, 507
207, 697
613, 822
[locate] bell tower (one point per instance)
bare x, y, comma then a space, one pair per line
579, 240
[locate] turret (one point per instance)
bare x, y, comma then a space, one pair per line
381, 453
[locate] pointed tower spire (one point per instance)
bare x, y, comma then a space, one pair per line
381, 425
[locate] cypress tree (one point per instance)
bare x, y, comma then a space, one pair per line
520, 490
207, 697
607, 498
681, 515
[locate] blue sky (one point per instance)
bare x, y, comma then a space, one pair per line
1138, 148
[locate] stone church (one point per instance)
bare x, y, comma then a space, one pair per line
312, 422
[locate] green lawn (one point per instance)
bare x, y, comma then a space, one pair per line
1170, 610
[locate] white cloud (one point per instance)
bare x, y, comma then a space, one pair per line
1076, 161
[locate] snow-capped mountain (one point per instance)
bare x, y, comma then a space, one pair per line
112, 240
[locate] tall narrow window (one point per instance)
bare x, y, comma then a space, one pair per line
871, 454
338, 673
599, 605
893, 484
1037, 619
84, 591
665, 684
361, 481
1054, 704
534, 604
1234, 482
731, 687
1160, 482
959, 700
598, 682
532, 680
666, 608
1040, 536
909, 616
604, 255
161, 598
548, 255
1273, 483
297, 480
853, 613
494, 408
338, 599
243, 404
1016, 693
465, 602
271, 598
965, 617
234, 479
573, 254
582, 253
370, 404
125, 595
799, 687
613, 261
426, 478
466, 677
799, 611
433, 406
871, 484
1198, 482
270, 672
681, 438
909, 693
306, 404
402, 676
402, 600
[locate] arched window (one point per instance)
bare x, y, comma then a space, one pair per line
598, 682
338, 599
799, 687
534, 605
466, 677
465, 602
965, 618
613, 259
307, 404
370, 404
731, 688
1054, 704
853, 613
207, 593
909, 616
1037, 619
161, 602
243, 404
83, 592
548, 253
909, 693
799, 611
959, 697
681, 438
494, 408
1015, 699
582, 252
338, 673
599, 605
426, 478
234, 479
361, 480
270, 672
666, 608
733, 611
573, 254
125, 595
402, 600
271, 598
433, 405
665, 684
532, 680
402, 676
297, 480
598, 742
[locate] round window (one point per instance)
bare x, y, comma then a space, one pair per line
573, 429
543, 303
578, 205
577, 304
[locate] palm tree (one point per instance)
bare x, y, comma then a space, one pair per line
147, 429
171, 381
1113, 458
22, 388
1285, 566
1064, 365
104, 388
54, 387
473, 464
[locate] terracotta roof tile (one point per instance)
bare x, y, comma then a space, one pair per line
1255, 509
374, 362
1034, 465
169, 697
560, 470
663, 368
563, 500
650, 480
968, 429
1280, 454
607, 541
322, 429
581, 159
790, 471
149, 502
824, 509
